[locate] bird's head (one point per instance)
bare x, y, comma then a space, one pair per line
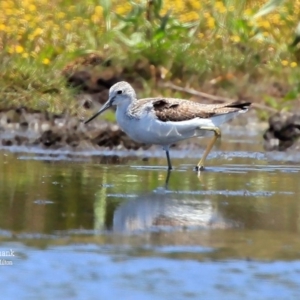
121, 92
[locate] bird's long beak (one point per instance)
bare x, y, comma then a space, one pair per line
107, 105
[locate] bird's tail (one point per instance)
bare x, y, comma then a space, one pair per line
242, 106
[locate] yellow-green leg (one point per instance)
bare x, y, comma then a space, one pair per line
169, 160
217, 133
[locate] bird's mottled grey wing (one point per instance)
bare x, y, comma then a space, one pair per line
173, 109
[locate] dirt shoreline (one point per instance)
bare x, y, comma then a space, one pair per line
20, 127
25, 127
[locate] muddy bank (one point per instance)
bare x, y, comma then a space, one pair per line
24, 127
91, 76
283, 132
21, 127
28, 128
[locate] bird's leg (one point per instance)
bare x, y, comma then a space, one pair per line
167, 179
217, 134
168, 159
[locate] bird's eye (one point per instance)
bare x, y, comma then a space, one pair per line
119, 92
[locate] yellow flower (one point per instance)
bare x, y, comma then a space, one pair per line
32, 7
283, 9
19, 49
235, 38
284, 63
231, 8
264, 24
46, 61
25, 55
207, 15
219, 4
189, 17
196, 5
211, 23
251, 23
5, 4
2, 27
178, 7
220, 7
79, 20
70, 48
123, 9
98, 10
61, 15
248, 12
95, 18
9, 12
68, 26
38, 31
293, 64
27, 17
275, 18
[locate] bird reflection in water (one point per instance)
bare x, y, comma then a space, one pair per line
163, 208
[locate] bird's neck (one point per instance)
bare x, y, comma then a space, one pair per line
124, 106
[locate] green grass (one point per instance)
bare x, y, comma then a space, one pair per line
239, 53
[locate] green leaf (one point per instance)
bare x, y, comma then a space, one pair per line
133, 40
133, 15
271, 102
106, 5
164, 20
297, 36
157, 4
268, 7
159, 35
291, 95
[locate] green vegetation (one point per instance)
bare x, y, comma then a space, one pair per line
233, 48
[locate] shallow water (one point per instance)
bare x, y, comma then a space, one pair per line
81, 226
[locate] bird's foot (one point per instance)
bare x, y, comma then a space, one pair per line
199, 168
